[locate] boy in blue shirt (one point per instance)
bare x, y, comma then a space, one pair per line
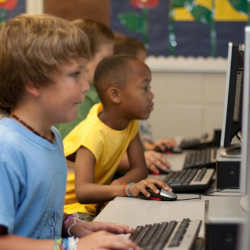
42, 80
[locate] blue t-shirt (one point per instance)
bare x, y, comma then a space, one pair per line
32, 182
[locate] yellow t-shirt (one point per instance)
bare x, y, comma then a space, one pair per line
108, 146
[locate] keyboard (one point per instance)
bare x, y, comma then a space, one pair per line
167, 235
195, 143
200, 158
204, 141
190, 180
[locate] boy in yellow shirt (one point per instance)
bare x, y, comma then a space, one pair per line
98, 143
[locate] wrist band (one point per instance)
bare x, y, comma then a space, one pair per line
61, 244
72, 242
71, 225
127, 189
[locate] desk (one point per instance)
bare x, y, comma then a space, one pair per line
135, 211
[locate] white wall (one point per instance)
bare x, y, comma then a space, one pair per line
189, 95
34, 6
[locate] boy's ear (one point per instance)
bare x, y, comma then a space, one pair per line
114, 94
32, 89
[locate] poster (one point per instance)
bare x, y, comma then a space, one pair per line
189, 28
11, 8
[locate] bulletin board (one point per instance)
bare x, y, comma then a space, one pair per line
189, 28
11, 8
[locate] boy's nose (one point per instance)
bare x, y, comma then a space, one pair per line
152, 95
85, 85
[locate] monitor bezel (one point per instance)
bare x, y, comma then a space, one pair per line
229, 126
245, 156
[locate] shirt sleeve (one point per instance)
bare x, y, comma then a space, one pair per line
93, 145
10, 194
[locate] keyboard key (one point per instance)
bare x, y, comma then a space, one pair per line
201, 174
179, 233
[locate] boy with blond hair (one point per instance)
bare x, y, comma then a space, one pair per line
42, 80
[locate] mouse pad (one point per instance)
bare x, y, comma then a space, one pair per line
182, 197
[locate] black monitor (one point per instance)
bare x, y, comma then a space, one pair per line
234, 95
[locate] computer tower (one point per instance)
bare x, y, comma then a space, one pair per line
227, 172
223, 224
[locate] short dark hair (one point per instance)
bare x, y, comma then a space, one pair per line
125, 45
32, 48
97, 32
112, 70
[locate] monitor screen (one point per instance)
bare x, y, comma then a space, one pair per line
234, 95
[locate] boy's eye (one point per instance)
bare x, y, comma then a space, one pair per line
75, 74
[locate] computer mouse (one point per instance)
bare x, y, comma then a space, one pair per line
163, 195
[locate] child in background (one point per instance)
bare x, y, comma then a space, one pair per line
124, 45
110, 130
101, 40
42, 79
101, 45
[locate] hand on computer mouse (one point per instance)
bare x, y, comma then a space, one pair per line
163, 195
142, 186
156, 162
167, 142
163, 149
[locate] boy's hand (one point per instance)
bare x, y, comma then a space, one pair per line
156, 161
165, 143
83, 228
153, 183
106, 241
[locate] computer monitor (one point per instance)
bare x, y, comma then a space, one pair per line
233, 95
245, 156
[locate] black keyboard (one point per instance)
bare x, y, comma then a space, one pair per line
200, 158
202, 142
195, 143
190, 180
167, 235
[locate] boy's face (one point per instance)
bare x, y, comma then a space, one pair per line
137, 97
104, 51
60, 99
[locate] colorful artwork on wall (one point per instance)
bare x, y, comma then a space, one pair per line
182, 27
11, 8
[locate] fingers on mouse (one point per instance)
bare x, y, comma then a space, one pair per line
163, 195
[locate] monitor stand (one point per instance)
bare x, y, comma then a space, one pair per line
233, 151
